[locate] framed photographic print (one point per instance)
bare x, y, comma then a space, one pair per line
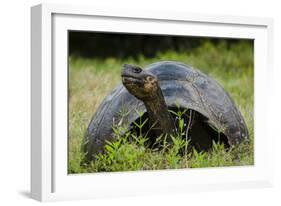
135, 102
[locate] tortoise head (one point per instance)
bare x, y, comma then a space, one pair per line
140, 83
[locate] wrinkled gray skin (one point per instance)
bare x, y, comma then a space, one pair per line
180, 84
145, 87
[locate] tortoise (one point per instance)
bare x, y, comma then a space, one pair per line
155, 91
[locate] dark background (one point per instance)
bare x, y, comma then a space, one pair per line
120, 45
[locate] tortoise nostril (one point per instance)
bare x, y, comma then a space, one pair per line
132, 68
137, 70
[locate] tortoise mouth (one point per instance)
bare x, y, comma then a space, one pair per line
130, 79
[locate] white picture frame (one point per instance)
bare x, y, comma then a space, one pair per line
49, 178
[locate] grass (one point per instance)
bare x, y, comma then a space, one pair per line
90, 80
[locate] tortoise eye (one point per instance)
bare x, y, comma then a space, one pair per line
149, 79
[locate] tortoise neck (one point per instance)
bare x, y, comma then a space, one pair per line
158, 114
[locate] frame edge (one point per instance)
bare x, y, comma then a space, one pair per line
38, 188
36, 117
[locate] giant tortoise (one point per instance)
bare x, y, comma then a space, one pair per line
159, 88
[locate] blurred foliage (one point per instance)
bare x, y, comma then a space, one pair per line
118, 45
